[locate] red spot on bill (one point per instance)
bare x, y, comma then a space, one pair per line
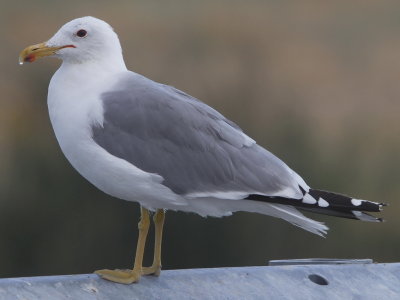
30, 58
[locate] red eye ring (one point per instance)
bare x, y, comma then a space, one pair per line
81, 33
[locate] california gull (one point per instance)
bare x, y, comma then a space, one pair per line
139, 140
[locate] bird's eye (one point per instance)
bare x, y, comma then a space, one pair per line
81, 33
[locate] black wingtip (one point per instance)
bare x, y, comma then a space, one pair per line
328, 203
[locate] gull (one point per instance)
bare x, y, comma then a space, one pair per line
139, 140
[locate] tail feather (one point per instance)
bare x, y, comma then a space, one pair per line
328, 203
355, 215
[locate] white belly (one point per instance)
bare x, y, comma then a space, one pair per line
72, 117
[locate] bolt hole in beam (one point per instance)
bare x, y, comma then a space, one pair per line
318, 279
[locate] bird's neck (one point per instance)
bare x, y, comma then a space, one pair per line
82, 76
98, 67
74, 98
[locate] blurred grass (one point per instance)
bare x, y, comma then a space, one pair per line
315, 83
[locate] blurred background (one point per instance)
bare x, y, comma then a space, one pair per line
316, 83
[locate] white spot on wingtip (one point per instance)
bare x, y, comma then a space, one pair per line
21, 62
356, 202
308, 199
323, 203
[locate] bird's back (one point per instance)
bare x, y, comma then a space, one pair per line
194, 148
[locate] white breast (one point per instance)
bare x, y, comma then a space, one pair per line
74, 105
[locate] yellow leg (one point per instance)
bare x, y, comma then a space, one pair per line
130, 276
155, 268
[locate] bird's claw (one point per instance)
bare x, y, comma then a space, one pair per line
119, 276
154, 270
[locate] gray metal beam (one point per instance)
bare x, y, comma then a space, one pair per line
346, 281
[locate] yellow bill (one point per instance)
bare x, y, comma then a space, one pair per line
31, 53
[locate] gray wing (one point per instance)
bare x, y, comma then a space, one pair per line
162, 130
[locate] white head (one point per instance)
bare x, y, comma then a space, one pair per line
79, 41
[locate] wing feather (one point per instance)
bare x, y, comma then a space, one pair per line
162, 130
